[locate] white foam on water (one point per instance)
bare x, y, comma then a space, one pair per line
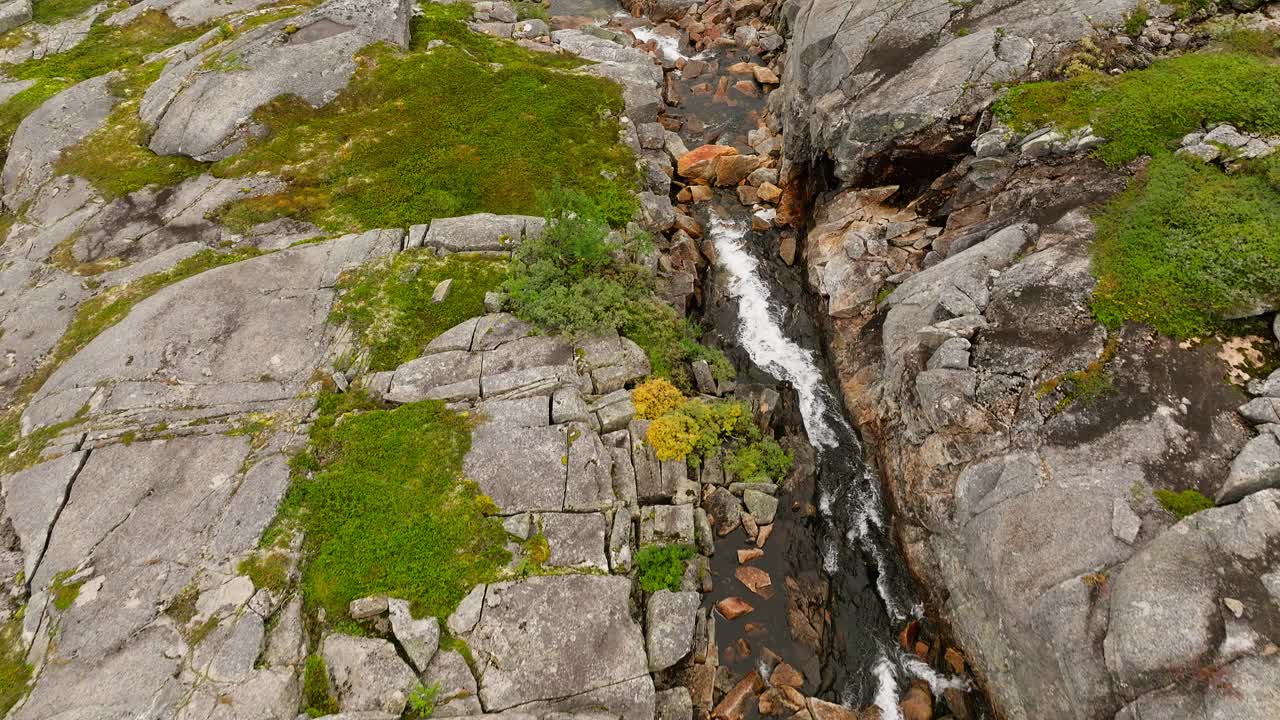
667, 45
887, 690
936, 680
762, 337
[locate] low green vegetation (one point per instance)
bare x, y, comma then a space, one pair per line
700, 428
763, 460
15, 673
1184, 503
381, 501
115, 158
63, 592
660, 567
387, 303
1082, 386
1136, 20
422, 702
267, 569
317, 700
577, 279
51, 12
1146, 112
1188, 245
421, 134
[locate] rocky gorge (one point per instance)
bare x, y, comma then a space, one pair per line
373, 359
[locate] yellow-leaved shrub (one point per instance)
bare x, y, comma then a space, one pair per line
656, 398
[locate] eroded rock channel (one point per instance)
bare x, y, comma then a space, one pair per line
372, 359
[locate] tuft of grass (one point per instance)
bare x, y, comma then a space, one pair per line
15, 672
201, 631
268, 570
1184, 503
422, 701
423, 134
108, 48
660, 567
115, 157
1145, 112
761, 460
317, 699
387, 303
1135, 21
1186, 246
1082, 386
531, 10
64, 593
384, 508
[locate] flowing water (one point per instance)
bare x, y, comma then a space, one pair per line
872, 592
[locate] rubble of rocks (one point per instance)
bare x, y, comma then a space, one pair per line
1224, 144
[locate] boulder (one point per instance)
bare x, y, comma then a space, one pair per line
482, 232
366, 674
14, 13
1257, 467
661, 524
669, 620
418, 638
576, 540
457, 695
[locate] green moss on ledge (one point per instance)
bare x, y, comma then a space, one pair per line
15, 673
1184, 503
380, 497
420, 134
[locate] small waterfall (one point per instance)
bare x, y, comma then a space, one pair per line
858, 555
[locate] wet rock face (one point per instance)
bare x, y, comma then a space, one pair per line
1072, 590
863, 74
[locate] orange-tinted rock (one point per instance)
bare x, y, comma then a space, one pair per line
792, 698
702, 154
765, 76
918, 704
742, 68
785, 675
734, 704
747, 195
953, 657
733, 169
787, 249
769, 192
823, 710
922, 650
770, 703
733, 608
908, 634
756, 580
763, 534
684, 195
701, 193
689, 225
746, 555
746, 87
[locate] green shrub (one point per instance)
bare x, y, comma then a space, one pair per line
1182, 504
1136, 20
267, 569
763, 459
384, 508
422, 701
698, 429
1144, 112
1187, 245
577, 281
660, 567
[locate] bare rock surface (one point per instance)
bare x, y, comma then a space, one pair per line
205, 115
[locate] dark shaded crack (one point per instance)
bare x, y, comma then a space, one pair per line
62, 504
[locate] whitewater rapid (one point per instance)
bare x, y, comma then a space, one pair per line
852, 502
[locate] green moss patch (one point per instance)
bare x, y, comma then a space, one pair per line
423, 134
387, 303
64, 593
108, 48
660, 567
384, 508
317, 700
1187, 245
15, 673
1148, 111
50, 12
1184, 503
115, 158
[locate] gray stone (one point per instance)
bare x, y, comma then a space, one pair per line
14, 13
724, 510
669, 620
482, 232
520, 525
522, 469
702, 532
456, 338
762, 506
184, 13
534, 634
661, 524
467, 614
367, 674
207, 115
287, 643
674, 704
1227, 135
618, 444
614, 411
32, 500
457, 695
567, 405
589, 479
702, 376
953, 354
62, 121
1257, 467
534, 28
653, 136
1201, 151
367, 607
419, 638
1262, 411
768, 488
493, 302
452, 375
1164, 612
442, 290
577, 540
1270, 387
621, 542
1125, 524
530, 412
